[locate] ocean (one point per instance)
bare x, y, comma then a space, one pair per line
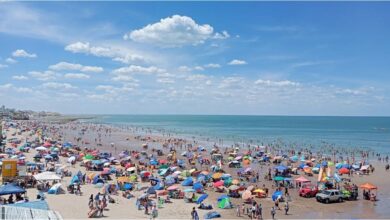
305, 131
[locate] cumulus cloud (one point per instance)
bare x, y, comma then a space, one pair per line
165, 80
43, 76
76, 76
20, 77
134, 69
237, 62
232, 82
23, 53
175, 31
10, 60
74, 66
276, 83
115, 54
55, 85
6, 86
212, 65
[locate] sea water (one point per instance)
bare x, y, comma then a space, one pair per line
313, 131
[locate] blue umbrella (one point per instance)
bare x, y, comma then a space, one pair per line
276, 195
198, 186
281, 168
201, 198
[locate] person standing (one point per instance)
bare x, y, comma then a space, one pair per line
194, 214
238, 211
90, 203
286, 208
273, 212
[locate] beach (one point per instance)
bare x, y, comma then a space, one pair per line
114, 139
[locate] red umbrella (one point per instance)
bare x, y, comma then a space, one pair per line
218, 183
162, 161
173, 187
343, 171
47, 144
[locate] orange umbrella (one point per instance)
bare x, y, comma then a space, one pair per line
217, 175
246, 195
368, 186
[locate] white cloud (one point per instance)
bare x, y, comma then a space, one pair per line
10, 60
74, 66
276, 83
184, 69
221, 36
55, 85
6, 86
115, 54
165, 80
212, 65
175, 31
24, 90
43, 76
21, 77
232, 82
23, 53
124, 78
76, 76
133, 69
199, 68
237, 62
196, 77
3, 66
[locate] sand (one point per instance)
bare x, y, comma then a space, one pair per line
71, 206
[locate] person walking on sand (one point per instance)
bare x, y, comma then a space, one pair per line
286, 208
194, 214
238, 211
90, 203
273, 212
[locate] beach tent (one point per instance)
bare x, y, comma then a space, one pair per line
202, 198
55, 189
278, 178
188, 182
224, 202
47, 176
212, 214
127, 186
10, 189
276, 195
75, 179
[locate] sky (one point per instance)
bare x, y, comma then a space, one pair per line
246, 58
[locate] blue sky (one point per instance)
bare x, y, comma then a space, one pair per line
272, 58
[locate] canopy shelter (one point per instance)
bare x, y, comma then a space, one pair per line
368, 186
10, 189
47, 176
302, 179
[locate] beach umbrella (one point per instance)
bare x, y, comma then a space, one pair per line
218, 183
276, 195
173, 187
281, 168
41, 148
197, 186
88, 157
278, 178
71, 159
368, 186
246, 195
217, 175
234, 187
48, 157
201, 198
189, 190
235, 182
130, 169
343, 171
259, 191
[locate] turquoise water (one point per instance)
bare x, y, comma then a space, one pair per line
354, 132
